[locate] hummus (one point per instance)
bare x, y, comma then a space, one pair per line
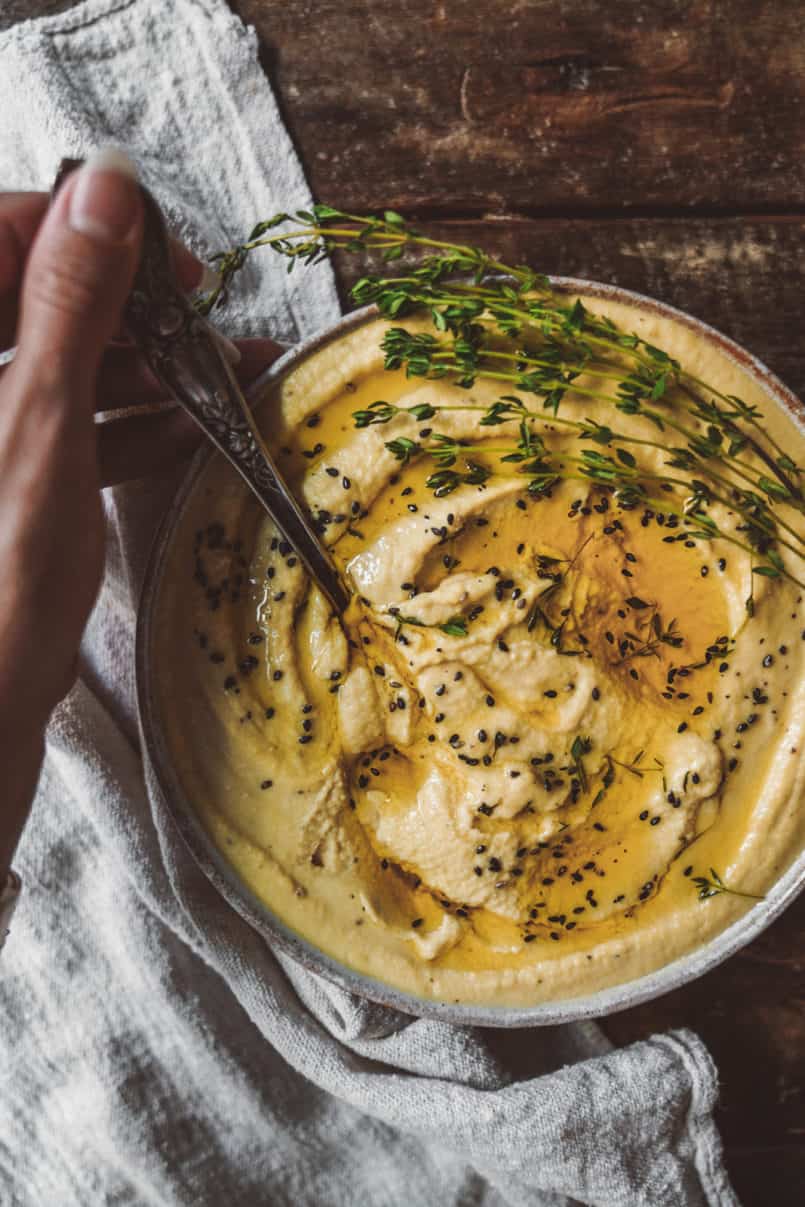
497, 779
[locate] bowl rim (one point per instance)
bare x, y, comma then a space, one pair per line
269, 925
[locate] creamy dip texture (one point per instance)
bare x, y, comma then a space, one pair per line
491, 781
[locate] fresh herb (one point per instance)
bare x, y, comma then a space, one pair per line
455, 626
504, 323
650, 636
634, 767
580, 747
713, 885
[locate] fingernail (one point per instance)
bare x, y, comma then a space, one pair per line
105, 201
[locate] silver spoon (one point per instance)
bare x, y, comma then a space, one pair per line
181, 350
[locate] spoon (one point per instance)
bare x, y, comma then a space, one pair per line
182, 352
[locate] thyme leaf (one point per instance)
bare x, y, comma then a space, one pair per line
455, 626
713, 886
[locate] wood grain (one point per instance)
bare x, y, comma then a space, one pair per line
535, 106
658, 146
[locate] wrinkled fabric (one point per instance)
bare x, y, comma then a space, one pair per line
155, 1050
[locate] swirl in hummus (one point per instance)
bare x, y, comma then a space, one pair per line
496, 778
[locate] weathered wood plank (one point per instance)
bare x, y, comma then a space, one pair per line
14, 11
528, 106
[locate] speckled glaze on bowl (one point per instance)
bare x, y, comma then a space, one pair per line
257, 914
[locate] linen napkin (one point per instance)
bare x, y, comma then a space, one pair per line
155, 1050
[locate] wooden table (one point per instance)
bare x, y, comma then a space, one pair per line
657, 145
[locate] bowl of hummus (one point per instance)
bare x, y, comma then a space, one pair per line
550, 763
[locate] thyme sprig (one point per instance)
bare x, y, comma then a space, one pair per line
545, 468
312, 235
651, 633
636, 767
759, 522
713, 886
506, 324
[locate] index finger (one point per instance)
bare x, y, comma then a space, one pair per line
20, 216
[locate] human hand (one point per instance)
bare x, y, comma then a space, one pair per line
65, 273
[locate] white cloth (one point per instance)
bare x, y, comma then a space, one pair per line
153, 1049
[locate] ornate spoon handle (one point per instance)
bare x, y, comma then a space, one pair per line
183, 354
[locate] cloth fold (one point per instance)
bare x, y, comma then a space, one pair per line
155, 1050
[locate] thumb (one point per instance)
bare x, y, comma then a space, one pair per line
79, 274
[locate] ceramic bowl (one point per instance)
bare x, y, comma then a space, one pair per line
607, 1001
